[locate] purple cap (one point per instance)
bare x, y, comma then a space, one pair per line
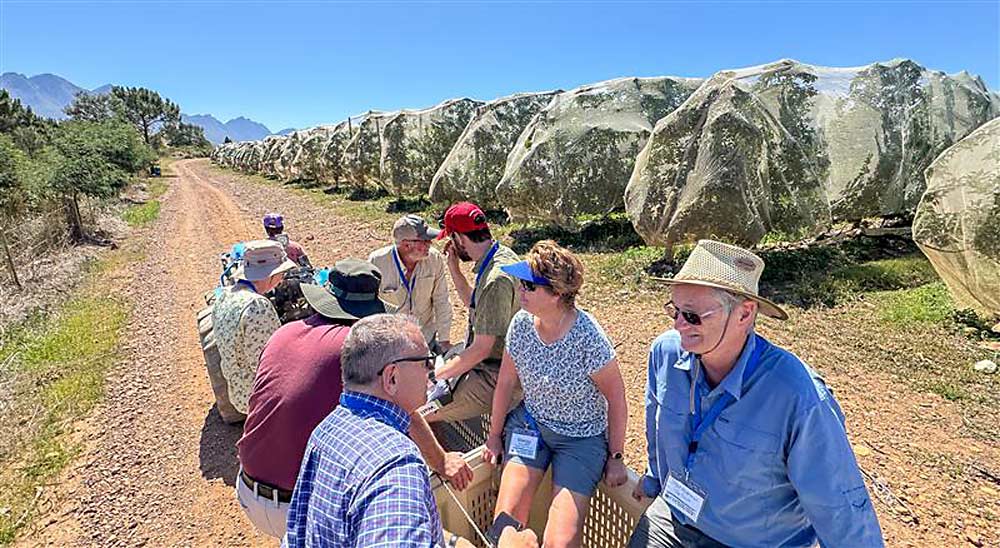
273, 220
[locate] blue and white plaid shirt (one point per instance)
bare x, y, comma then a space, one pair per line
363, 482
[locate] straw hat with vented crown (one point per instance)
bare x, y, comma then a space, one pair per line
728, 267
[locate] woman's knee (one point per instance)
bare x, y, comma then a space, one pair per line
566, 517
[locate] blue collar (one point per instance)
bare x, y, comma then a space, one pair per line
384, 411
733, 381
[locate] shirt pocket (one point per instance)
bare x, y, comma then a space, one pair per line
394, 295
748, 456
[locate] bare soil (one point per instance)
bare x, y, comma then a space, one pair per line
157, 466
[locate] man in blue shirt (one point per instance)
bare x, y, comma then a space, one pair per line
747, 446
362, 482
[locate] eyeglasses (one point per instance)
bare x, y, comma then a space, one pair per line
692, 318
427, 361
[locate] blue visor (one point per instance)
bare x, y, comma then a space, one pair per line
522, 271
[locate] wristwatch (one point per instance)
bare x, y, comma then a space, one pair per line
616, 456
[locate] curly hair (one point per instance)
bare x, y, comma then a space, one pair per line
560, 267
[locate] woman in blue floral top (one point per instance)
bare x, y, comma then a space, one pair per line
574, 411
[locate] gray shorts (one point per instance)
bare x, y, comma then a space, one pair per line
577, 463
657, 528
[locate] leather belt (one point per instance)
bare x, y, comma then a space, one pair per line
264, 490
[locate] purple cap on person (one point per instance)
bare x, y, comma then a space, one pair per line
273, 220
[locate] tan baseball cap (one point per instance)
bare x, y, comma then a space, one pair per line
413, 227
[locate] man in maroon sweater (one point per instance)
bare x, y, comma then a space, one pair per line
298, 383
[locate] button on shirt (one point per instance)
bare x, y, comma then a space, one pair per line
428, 298
776, 466
242, 321
363, 482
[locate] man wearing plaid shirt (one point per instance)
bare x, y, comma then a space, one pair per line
362, 482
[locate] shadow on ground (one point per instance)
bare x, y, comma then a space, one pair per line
217, 449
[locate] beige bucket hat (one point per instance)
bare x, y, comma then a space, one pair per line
728, 267
261, 259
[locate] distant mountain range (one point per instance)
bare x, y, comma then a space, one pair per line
237, 129
49, 94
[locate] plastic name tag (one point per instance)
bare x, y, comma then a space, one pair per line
684, 497
524, 443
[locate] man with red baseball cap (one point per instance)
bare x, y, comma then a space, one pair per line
492, 302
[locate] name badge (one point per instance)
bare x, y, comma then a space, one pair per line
684, 497
524, 443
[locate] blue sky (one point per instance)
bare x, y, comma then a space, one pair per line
298, 64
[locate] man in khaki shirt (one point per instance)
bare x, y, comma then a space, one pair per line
414, 279
492, 302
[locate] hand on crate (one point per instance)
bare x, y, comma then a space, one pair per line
493, 452
615, 473
456, 470
639, 492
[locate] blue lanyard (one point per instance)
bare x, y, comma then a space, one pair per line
402, 276
698, 424
248, 284
361, 404
482, 269
529, 421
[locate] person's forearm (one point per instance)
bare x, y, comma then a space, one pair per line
421, 434
617, 417
461, 363
501, 400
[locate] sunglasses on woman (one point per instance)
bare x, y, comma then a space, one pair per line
692, 318
528, 286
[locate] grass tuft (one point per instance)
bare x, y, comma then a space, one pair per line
143, 214
56, 366
927, 304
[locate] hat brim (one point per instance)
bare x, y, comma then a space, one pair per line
522, 271
767, 307
327, 305
255, 273
432, 234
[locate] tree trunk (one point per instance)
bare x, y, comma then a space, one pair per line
73, 218
10, 260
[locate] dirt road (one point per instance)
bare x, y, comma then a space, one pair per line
158, 465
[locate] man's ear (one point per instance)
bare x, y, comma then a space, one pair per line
389, 380
747, 309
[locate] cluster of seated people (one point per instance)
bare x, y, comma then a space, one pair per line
746, 444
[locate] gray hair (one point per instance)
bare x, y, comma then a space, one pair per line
373, 342
730, 301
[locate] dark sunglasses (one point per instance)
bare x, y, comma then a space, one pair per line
428, 362
690, 317
528, 286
